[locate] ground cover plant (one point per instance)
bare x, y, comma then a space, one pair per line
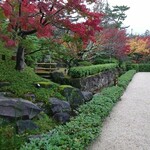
83, 129
10, 140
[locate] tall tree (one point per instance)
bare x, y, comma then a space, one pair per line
112, 42
41, 17
112, 39
113, 16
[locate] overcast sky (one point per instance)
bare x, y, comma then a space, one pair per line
138, 16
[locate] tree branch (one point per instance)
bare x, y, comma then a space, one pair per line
23, 33
34, 51
41, 16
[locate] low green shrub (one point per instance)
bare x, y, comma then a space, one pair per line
85, 63
100, 105
77, 72
104, 60
83, 129
113, 92
123, 66
139, 67
133, 67
124, 79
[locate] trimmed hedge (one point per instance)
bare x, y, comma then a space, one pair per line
85, 63
83, 129
124, 80
78, 72
100, 60
113, 92
139, 67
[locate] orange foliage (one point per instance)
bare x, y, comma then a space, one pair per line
139, 45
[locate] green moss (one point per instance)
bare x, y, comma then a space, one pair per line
47, 84
24, 82
62, 87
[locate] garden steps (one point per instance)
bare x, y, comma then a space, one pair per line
128, 126
44, 69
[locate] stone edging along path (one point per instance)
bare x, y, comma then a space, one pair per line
128, 126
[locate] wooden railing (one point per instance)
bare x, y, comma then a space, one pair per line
45, 68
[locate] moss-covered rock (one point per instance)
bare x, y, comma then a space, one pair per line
73, 95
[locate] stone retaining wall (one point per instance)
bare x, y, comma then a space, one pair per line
90, 83
95, 82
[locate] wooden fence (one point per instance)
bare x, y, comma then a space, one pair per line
45, 68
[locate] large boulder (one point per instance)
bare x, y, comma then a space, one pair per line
16, 108
58, 105
73, 95
62, 117
87, 95
25, 125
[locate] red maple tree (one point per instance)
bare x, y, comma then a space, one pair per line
42, 17
113, 41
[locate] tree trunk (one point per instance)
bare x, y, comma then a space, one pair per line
20, 63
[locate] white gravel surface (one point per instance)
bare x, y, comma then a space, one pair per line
128, 126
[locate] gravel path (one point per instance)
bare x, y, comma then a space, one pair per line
128, 126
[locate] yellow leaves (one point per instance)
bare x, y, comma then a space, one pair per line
138, 45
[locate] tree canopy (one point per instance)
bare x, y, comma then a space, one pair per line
42, 17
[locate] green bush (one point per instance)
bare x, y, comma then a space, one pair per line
139, 67
124, 80
85, 63
123, 66
105, 60
113, 92
83, 129
133, 67
77, 72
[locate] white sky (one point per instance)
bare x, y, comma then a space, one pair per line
138, 16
